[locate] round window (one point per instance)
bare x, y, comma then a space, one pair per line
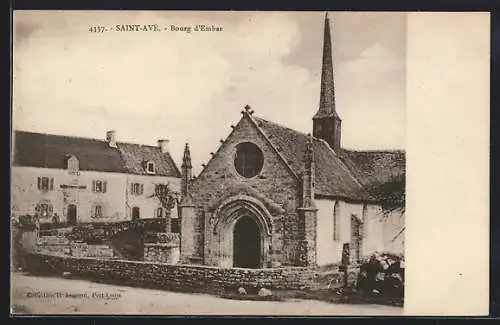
249, 159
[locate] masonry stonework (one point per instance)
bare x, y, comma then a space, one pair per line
219, 181
166, 276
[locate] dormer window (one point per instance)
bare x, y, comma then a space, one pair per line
150, 167
73, 164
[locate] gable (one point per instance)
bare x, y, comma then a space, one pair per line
246, 132
220, 175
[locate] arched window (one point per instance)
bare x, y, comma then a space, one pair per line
159, 212
336, 221
249, 159
136, 213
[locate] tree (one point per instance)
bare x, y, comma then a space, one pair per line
168, 199
393, 197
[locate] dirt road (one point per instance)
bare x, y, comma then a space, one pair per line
51, 295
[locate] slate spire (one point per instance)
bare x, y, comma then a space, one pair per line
327, 95
326, 122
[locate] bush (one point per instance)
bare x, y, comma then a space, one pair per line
382, 274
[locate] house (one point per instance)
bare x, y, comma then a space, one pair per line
272, 196
88, 180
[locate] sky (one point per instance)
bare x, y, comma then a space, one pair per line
191, 87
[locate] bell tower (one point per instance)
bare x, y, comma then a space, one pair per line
326, 122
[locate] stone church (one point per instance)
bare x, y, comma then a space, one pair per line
272, 196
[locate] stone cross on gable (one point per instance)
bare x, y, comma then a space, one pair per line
248, 110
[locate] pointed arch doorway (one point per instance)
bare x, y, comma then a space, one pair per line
241, 234
246, 243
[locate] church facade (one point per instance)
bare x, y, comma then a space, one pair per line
272, 196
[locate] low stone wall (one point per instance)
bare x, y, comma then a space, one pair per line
52, 240
170, 238
87, 250
166, 276
61, 246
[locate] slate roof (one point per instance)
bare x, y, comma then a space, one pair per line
52, 151
382, 173
332, 177
134, 156
354, 175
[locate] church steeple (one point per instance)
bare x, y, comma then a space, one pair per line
326, 122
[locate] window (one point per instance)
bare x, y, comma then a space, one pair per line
73, 164
99, 186
45, 184
97, 211
44, 210
336, 221
150, 167
136, 189
249, 159
159, 213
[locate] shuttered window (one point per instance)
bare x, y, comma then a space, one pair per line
45, 184
99, 186
137, 189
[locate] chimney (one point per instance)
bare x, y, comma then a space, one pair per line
111, 138
163, 145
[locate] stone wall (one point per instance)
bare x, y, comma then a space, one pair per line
87, 250
161, 253
162, 248
61, 246
166, 276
